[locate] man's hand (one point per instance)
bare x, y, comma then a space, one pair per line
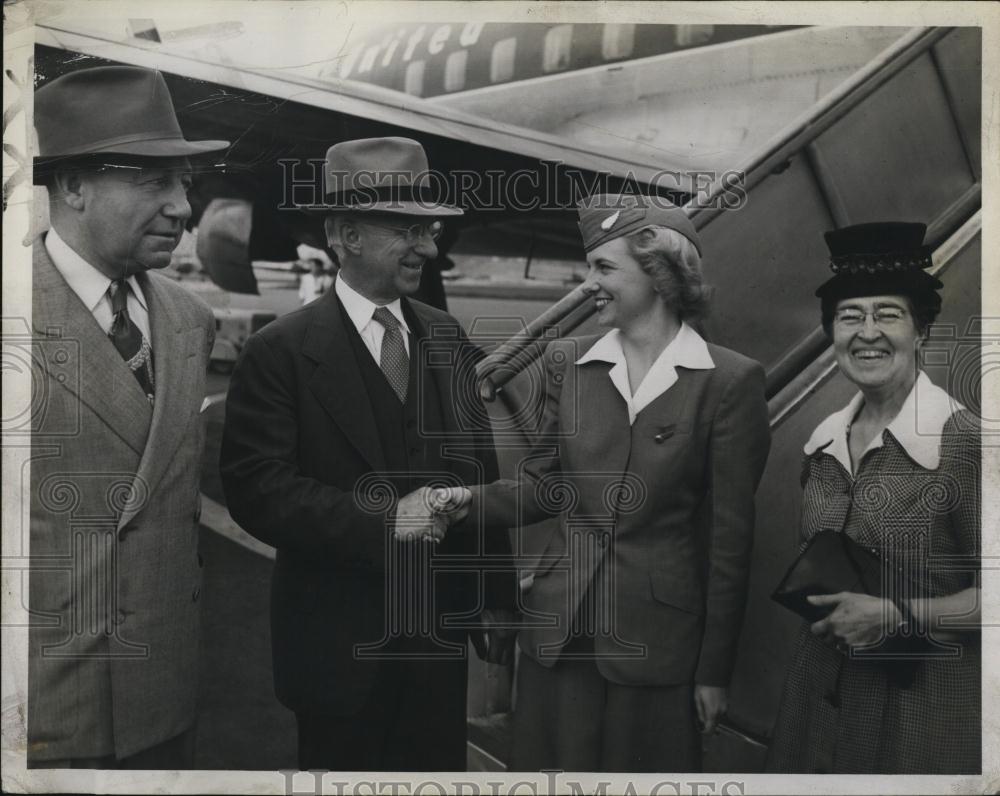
427, 513
711, 702
453, 501
856, 619
416, 517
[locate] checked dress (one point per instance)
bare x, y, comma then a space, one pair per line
847, 715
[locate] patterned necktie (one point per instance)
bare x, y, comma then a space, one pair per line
394, 362
127, 338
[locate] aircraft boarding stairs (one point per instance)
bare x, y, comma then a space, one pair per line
900, 140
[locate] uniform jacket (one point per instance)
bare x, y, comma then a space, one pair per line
115, 580
301, 466
656, 519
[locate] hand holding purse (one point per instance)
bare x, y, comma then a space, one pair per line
831, 562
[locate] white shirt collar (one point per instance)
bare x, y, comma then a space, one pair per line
86, 281
917, 427
686, 350
360, 309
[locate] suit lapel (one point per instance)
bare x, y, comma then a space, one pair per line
337, 382
104, 382
176, 365
668, 413
603, 414
426, 350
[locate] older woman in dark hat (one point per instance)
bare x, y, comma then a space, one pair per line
897, 470
652, 445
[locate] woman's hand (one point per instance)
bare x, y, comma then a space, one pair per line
711, 702
451, 503
856, 619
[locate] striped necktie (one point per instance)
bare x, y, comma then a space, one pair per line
130, 342
393, 361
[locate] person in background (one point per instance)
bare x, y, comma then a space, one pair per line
431, 290
116, 578
315, 283
898, 470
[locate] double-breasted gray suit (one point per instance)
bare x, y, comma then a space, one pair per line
115, 573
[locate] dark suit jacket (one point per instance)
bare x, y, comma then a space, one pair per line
300, 438
116, 580
656, 519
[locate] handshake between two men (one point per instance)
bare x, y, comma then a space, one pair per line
428, 512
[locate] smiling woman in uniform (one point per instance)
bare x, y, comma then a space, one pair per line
898, 470
651, 447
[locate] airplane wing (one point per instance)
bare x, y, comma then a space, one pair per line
278, 123
227, 87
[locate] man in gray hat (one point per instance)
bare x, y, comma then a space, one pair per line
340, 418
121, 354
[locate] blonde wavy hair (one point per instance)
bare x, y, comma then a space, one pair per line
674, 265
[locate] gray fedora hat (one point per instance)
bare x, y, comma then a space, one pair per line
385, 175
110, 110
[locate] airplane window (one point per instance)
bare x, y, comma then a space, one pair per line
557, 47
368, 59
618, 41
692, 35
414, 83
454, 70
343, 66
502, 60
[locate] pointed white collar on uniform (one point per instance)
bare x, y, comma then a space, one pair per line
686, 350
917, 427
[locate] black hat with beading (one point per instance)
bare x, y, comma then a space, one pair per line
883, 258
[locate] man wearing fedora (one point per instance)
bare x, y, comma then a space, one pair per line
117, 441
339, 417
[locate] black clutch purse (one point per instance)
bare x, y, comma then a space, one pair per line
831, 562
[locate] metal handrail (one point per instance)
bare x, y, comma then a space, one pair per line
512, 356
799, 389
821, 117
791, 363
496, 371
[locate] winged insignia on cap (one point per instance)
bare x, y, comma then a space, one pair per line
611, 220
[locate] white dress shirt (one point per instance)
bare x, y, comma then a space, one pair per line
687, 350
92, 286
360, 311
